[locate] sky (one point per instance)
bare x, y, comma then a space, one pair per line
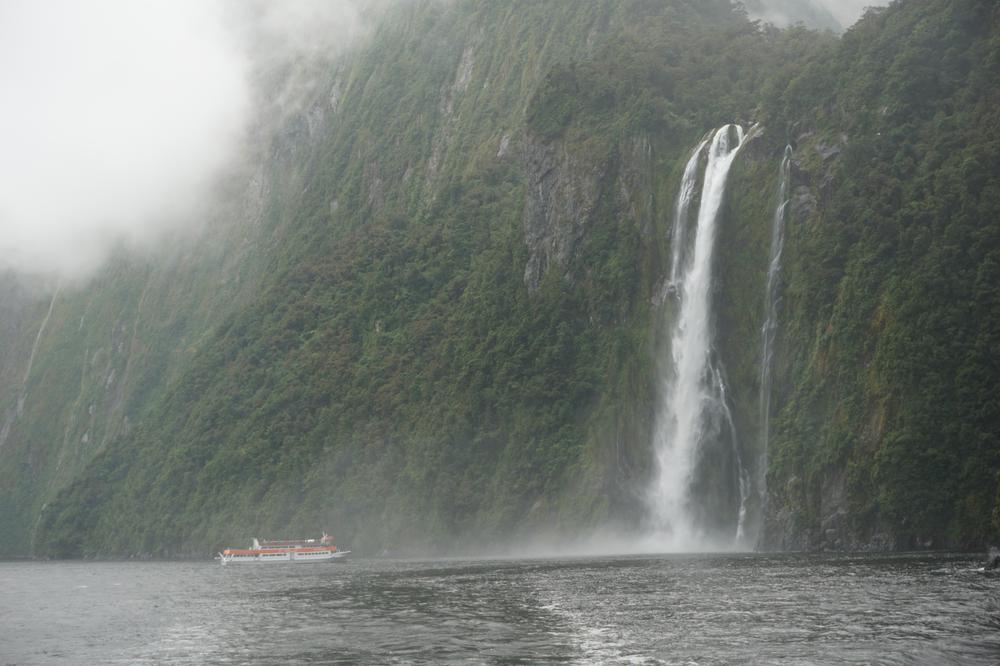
117, 116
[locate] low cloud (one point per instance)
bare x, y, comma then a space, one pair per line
847, 12
117, 116
835, 14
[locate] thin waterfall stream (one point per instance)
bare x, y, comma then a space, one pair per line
770, 327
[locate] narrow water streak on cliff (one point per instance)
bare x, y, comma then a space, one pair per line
770, 327
34, 351
743, 474
693, 397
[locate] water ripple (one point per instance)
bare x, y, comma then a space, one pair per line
722, 609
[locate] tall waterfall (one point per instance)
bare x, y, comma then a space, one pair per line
694, 405
771, 316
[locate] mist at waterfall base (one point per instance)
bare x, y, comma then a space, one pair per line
718, 609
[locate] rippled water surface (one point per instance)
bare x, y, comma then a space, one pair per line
710, 609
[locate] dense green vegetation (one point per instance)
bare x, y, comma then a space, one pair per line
381, 368
893, 296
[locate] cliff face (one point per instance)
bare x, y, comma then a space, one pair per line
561, 196
887, 433
380, 373
84, 362
432, 309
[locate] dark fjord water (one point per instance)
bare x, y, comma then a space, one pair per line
713, 609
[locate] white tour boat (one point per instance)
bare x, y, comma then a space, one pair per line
294, 550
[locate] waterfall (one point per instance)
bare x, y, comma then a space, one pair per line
677, 235
770, 326
743, 474
694, 398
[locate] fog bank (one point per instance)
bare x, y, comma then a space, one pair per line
116, 117
832, 14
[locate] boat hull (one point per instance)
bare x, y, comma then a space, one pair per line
282, 556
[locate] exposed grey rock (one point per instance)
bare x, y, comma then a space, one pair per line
561, 196
834, 531
828, 152
781, 530
803, 199
8, 421
465, 66
993, 559
504, 146
336, 94
635, 184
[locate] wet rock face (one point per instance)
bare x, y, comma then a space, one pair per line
782, 530
636, 183
561, 195
833, 530
993, 559
803, 203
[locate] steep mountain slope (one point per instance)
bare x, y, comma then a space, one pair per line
440, 319
888, 432
83, 363
401, 375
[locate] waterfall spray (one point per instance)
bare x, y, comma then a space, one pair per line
770, 326
694, 392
